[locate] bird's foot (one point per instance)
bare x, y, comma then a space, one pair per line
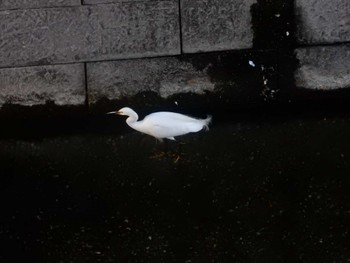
178, 157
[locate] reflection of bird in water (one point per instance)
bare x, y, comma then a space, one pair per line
164, 124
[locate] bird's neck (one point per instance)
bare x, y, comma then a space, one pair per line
132, 119
133, 123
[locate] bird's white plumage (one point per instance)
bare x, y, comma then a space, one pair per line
164, 124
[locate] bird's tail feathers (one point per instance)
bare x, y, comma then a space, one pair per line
207, 121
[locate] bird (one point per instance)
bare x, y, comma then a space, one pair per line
164, 124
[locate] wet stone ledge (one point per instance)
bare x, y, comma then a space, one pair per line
322, 21
94, 32
63, 85
208, 80
222, 81
23, 4
216, 25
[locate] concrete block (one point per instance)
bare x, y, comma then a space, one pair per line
94, 2
42, 36
323, 21
24, 4
88, 33
213, 25
28, 86
165, 76
323, 68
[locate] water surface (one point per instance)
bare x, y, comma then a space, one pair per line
255, 188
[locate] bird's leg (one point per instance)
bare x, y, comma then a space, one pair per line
178, 154
177, 158
161, 153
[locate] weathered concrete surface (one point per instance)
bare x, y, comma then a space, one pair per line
216, 25
323, 21
164, 76
23, 4
93, 2
323, 68
28, 86
95, 32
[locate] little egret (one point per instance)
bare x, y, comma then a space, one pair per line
164, 124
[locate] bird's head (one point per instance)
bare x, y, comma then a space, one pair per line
123, 111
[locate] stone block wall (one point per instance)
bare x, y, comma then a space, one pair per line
88, 33
27, 4
214, 52
215, 25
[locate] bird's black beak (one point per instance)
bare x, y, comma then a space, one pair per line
112, 112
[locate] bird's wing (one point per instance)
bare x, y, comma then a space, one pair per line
169, 124
166, 131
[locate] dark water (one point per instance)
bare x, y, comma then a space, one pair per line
252, 189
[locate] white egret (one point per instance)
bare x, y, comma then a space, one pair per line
164, 124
